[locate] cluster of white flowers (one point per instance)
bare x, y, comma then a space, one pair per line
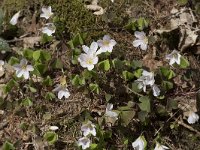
140, 144
90, 57
88, 129
49, 28
147, 78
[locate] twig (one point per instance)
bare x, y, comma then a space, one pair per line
138, 94
180, 122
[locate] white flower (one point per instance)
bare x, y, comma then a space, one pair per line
88, 128
23, 69
62, 91
14, 19
110, 113
106, 45
193, 118
84, 142
49, 29
112, 1
142, 40
139, 143
147, 78
53, 128
89, 58
174, 57
1, 65
160, 147
156, 90
46, 12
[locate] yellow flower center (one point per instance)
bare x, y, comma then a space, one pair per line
24, 67
106, 42
146, 40
89, 61
63, 81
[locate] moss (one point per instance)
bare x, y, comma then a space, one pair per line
72, 16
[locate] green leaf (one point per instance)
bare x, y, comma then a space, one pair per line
40, 68
136, 64
71, 45
127, 75
8, 146
104, 65
161, 110
144, 140
142, 23
36, 55
46, 38
132, 25
117, 64
172, 104
77, 40
184, 63
182, 2
127, 117
138, 73
13, 60
93, 146
32, 89
135, 87
45, 56
28, 53
108, 97
75, 80
10, 85
168, 73
27, 102
145, 104
142, 115
48, 81
87, 74
50, 96
167, 85
51, 137
57, 64
94, 88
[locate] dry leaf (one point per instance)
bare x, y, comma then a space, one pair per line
29, 42
95, 7
188, 39
150, 62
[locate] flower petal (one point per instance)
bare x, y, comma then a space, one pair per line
29, 68
106, 38
143, 46
60, 94
140, 35
26, 74
137, 43
85, 48
14, 19
156, 90
94, 47
90, 67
